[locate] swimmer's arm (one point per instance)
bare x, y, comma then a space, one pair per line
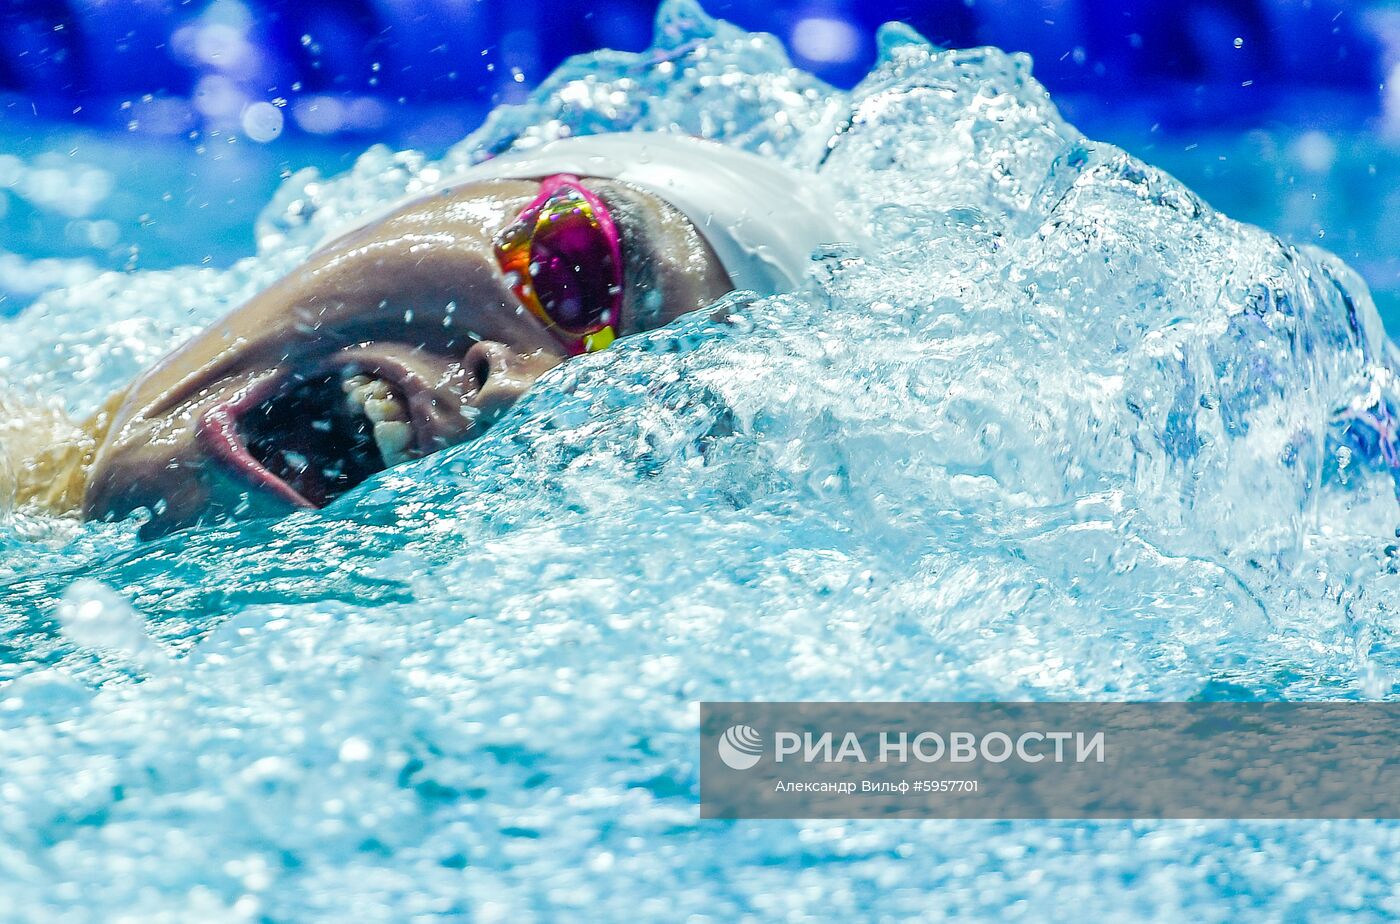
45, 454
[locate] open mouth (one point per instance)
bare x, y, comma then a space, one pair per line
313, 440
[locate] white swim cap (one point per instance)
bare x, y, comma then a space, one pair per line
762, 219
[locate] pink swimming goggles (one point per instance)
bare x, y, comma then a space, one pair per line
563, 260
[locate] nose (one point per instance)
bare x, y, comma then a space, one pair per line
503, 375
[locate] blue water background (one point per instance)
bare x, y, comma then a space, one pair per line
1068, 434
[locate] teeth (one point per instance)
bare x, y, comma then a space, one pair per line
393, 438
378, 403
382, 409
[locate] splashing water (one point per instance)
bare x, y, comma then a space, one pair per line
1065, 433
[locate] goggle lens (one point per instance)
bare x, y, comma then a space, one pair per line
563, 259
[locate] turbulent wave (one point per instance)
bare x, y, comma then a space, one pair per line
1062, 432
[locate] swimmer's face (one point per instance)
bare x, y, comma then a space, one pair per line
400, 339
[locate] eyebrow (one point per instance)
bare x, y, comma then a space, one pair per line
637, 270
